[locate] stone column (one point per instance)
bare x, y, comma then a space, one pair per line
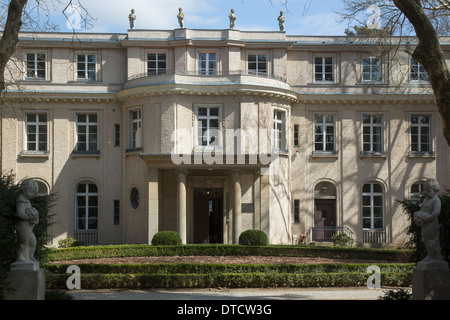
153, 203
182, 226
237, 211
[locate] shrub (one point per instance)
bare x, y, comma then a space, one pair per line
253, 238
399, 294
342, 240
69, 242
166, 238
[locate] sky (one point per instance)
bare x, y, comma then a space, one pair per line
111, 16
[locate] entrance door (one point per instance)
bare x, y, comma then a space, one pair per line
208, 207
324, 219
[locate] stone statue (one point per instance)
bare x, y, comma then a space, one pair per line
281, 20
232, 17
180, 17
427, 219
132, 18
28, 219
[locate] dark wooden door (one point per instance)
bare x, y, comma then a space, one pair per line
201, 220
324, 217
208, 216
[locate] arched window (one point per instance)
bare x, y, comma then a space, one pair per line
416, 190
43, 188
372, 206
86, 206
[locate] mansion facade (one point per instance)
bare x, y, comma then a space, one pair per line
213, 132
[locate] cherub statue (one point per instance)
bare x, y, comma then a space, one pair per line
132, 18
281, 20
180, 17
28, 219
232, 17
427, 219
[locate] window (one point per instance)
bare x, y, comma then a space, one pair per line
296, 211
208, 126
418, 72
296, 129
416, 191
372, 206
35, 66
372, 133
420, 134
279, 125
257, 64
117, 135
323, 69
371, 69
87, 133
43, 188
135, 139
324, 133
86, 67
116, 212
86, 207
36, 132
156, 63
207, 63
134, 198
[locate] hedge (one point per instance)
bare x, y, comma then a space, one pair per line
229, 280
180, 268
93, 252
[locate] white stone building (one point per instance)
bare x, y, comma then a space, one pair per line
213, 132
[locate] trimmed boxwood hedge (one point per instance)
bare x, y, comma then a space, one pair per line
93, 252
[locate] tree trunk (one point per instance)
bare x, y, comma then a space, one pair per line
429, 53
10, 36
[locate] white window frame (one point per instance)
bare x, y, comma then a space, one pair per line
371, 126
372, 194
419, 127
135, 133
207, 70
35, 53
86, 194
37, 124
256, 70
325, 124
323, 65
88, 124
417, 195
86, 69
157, 70
372, 67
218, 146
279, 141
420, 71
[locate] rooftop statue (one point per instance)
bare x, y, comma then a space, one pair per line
281, 21
232, 17
132, 18
180, 17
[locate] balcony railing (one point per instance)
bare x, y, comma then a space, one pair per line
88, 238
215, 73
374, 236
325, 234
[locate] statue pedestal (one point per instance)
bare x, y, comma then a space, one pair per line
431, 281
26, 281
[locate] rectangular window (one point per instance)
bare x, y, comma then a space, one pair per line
35, 66
296, 211
135, 139
117, 135
116, 212
323, 69
257, 64
86, 207
296, 129
207, 63
418, 72
324, 130
372, 133
371, 69
87, 133
208, 126
86, 67
156, 63
36, 132
420, 134
372, 206
279, 130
